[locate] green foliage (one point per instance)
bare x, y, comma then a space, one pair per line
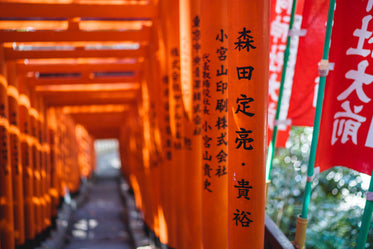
334, 215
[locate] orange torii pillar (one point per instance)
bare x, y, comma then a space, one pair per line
214, 71
248, 93
44, 161
164, 210
124, 150
146, 171
61, 155
176, 106
191, 90
155, 109
36, 162
27, 165
15, 156
134, 158
54, 181
6, 193
73, 177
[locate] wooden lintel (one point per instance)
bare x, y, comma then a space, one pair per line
74, 35
51, 10
84, 98
79, 67
11, 54
33, 81
104, 133
90, 119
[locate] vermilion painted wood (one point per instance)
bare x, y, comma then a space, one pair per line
15, 153
6, 194
73, 35
26, 151
11, 54
79, 67
50, 10
248, 50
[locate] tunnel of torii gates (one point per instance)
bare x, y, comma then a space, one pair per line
159, 76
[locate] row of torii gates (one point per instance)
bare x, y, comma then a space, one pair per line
181, 85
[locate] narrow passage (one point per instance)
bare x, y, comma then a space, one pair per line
99, 222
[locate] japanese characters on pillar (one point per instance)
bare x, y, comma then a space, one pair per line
167, 127
180, 141
214, 76
207, 125
170, 10
165, 211
176, 100
215, 108
196, 75
346, 134
190, 16
248, 96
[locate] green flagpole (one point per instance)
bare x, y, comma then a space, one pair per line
300, 233
367, 216
271, 147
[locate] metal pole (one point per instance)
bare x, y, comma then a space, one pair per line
366, 219
300, 233
316, 125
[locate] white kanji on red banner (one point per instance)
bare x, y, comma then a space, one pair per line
346, 136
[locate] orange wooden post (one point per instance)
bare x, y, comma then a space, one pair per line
27, 162
44, 154
165, 209
170, 9
67, 163
37, 199
248, 93
134, 158
143, 112
214, 73
6, 193
166, 205
92, 160
124, 151
61, 165
15, 156
139, 164
73, 174
153, 84
177, 116
191, 89
52, 140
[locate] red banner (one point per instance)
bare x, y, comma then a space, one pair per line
305, 83
346, 133
280, 17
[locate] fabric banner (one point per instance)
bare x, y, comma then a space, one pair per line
346, 133
305, 83
280, 19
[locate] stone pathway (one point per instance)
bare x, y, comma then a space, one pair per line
99, 223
